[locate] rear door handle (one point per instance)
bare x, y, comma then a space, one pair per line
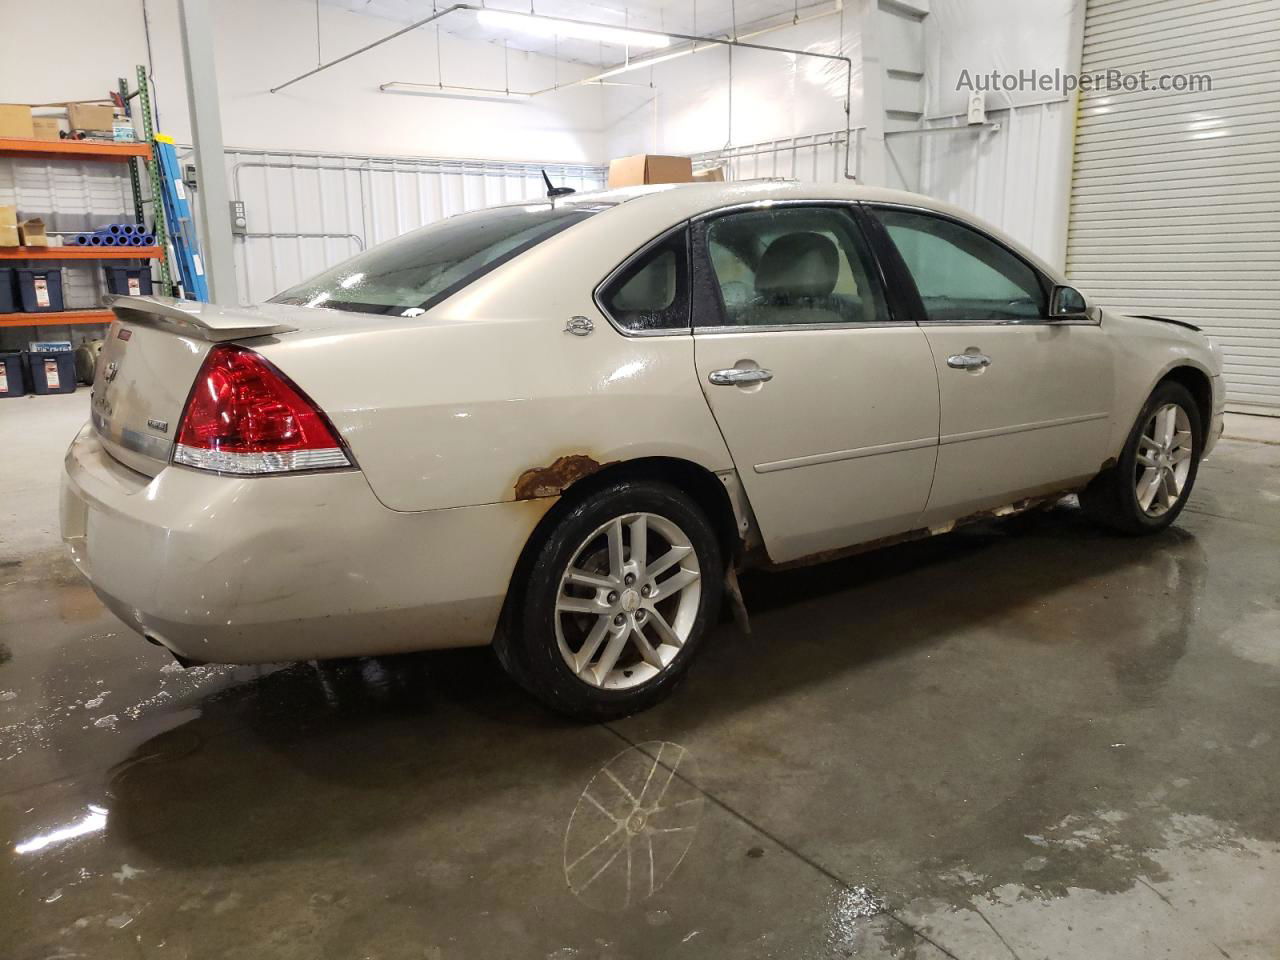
737, 376
969, 361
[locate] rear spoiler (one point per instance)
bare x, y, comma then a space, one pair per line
191, 318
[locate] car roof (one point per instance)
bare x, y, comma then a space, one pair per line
674, 202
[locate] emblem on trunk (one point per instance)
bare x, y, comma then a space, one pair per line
110, 373
161, 425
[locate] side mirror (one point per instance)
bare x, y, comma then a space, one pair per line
1068, 303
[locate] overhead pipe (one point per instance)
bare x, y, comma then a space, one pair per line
692, 38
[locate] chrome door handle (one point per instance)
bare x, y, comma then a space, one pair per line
737, 376
969, 361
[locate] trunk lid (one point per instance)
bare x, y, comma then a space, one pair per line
151, 356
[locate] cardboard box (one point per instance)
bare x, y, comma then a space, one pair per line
649, 168
15, 120
98, 117
46, 128
710, 175
32, 232
8, 226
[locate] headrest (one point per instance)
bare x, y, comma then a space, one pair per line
650, 290
798, 265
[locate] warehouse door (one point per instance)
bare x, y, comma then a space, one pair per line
1175, 205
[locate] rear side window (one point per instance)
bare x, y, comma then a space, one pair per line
963, 275
651, 293
412, 273
783, 266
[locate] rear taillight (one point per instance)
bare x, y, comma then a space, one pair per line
245, 416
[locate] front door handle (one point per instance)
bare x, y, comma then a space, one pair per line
737, 376
969, 361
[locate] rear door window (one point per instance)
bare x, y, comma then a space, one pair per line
788, 265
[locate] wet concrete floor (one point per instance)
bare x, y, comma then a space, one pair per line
1026, 740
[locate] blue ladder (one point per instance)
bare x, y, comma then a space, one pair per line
182, 226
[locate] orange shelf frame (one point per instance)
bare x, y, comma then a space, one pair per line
81, 149
61, 318
79, 253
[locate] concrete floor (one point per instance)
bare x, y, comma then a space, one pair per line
1029, 739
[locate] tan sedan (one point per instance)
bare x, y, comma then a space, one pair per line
560, 427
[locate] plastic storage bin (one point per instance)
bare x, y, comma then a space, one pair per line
128, 281
13, 376
51, 372
40, 290
7, 303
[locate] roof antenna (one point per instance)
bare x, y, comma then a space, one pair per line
553, 191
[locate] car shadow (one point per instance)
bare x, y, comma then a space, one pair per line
293, 761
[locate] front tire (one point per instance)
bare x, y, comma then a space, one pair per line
616, 602
1147, 489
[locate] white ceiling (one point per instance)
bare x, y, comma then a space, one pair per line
700, 17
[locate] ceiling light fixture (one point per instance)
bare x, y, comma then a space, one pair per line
543, 26
450, 92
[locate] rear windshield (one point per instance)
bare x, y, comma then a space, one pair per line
412, 273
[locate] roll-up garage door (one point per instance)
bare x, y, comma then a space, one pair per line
1175, 205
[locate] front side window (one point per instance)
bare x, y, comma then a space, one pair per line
781, 266
652, 292
963, 275
412, 273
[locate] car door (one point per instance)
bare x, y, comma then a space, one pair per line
1026, 400
827, 402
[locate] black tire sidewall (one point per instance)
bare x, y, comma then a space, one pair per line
1131, 512
533, 646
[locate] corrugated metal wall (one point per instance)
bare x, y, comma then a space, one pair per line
1008, 176
1175, 206
306, 211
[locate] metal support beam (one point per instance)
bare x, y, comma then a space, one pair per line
694, 39
196, 27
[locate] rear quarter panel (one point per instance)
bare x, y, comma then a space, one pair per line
455, 408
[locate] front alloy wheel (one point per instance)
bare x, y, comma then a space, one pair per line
1162, 463
1147, 489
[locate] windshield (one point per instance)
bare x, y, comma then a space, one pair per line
412, 273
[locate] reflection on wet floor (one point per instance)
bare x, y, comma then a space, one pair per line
1027, 739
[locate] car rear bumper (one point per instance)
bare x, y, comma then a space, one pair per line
260, 569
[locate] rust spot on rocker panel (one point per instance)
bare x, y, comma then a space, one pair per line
553, 480
1008, 510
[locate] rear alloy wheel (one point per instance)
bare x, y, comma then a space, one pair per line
618, 598
621, 618
1147, 489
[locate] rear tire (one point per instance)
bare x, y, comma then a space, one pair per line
1149, 485
615, 603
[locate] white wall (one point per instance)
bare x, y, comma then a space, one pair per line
773, 95
261, 43
1018, 177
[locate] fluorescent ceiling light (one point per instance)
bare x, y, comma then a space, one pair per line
451, 93
574, 29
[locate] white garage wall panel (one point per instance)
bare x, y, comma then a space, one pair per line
308, 211
1175, 206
